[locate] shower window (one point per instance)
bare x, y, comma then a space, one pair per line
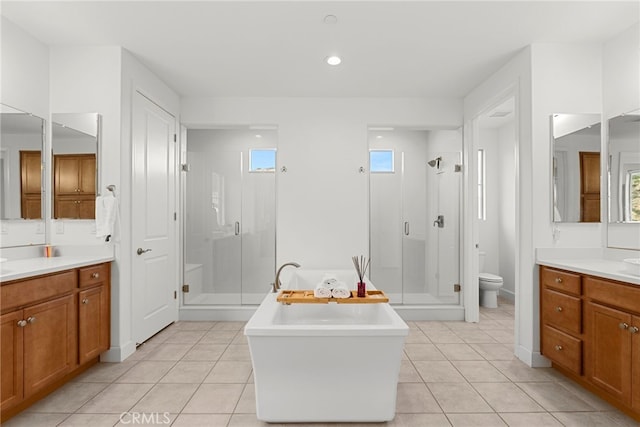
381, 161
262, 160
482, 205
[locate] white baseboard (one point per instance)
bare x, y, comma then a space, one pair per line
118, 354
532, 359
507, 294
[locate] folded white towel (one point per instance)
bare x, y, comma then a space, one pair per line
340, 290
106, 214
322, 292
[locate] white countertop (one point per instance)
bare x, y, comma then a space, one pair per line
29, 267
608, 269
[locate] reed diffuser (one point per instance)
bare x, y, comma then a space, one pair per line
361, 265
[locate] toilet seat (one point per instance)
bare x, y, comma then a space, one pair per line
491, 278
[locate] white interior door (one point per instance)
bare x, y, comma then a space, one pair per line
155, 268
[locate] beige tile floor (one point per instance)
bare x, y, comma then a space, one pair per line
452, 373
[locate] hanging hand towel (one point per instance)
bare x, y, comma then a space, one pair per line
106, 214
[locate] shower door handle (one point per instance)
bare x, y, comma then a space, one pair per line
406, 228
237, 230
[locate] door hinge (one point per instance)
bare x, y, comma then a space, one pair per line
186, 167
175, 137
185, 288
456, 287
175, 294
175, 216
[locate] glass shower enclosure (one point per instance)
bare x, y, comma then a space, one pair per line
230, 209
415, 184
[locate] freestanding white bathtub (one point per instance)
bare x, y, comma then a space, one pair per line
325, 362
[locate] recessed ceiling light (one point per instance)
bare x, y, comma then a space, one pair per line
258, 136
330, 19
379, 136
333, 60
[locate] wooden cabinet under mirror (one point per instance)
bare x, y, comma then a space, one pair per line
53, 327
590, 330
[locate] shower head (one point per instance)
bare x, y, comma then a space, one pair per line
435, 162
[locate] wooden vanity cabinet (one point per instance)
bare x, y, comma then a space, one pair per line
590, 329
48, 335
93, 312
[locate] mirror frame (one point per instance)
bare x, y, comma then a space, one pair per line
615, 183
586, 121
89, 124
41, 223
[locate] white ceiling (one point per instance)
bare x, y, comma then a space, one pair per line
264, 48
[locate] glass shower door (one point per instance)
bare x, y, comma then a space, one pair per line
414, 216
230, 216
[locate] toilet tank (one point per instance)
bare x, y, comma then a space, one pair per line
482, 255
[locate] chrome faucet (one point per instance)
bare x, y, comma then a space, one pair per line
276, 284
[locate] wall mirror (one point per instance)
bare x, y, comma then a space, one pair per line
624, 168
22, 137
576, 167
75, 143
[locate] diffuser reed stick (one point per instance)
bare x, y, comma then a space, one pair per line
361, 264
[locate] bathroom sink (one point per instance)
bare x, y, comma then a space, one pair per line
632, 266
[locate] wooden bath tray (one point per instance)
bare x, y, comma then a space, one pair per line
306, 297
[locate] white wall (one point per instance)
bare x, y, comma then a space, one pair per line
25, 71
322, 202
566, 79
621, 94
507, 209
25, 86
86, 79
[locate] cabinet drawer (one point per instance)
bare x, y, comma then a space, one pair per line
94, 275
562, 349
562, 311
24, 292
561, 280
612, 293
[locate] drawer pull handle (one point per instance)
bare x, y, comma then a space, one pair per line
558, 309
623, 326
22, 323
634, 329
31, 320
95, 275
85, 301
558, 279
558, 347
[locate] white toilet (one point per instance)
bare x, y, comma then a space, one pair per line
489, 285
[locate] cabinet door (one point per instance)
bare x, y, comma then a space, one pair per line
49, 342
11, 362
87, 208
635, 374
93, 322
87, 174
609, 351
66, 175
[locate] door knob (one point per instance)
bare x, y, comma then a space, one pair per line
634, 329
31, 319
141, 251
623, 326
439, 221
22, 323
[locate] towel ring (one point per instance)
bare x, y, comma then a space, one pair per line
112, 188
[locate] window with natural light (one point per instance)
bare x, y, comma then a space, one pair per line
482, 209
262, 160
381, 161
